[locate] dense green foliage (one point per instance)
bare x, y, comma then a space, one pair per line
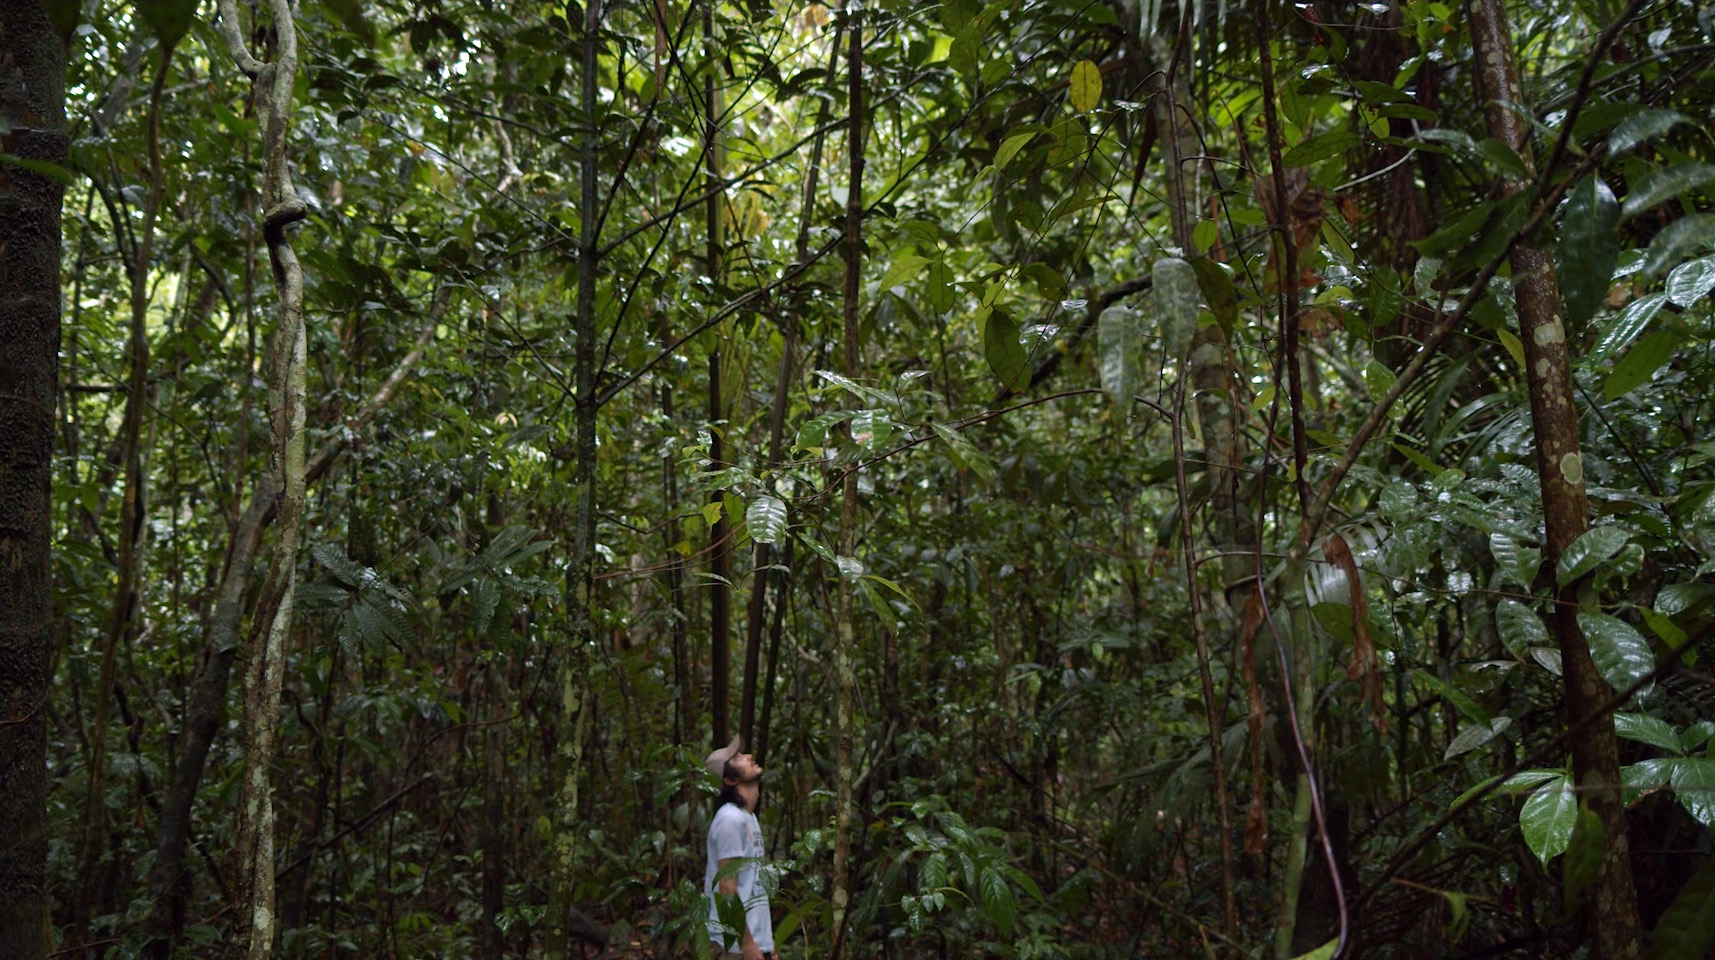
1065, 348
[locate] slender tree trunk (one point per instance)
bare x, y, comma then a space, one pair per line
1180, 143
493, 836
32, 106
1609, 915
720, 554
845, 644
131, 511
580, 577
254, 929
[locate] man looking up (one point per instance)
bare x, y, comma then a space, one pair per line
734, 835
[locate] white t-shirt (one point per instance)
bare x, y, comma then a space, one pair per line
734, 832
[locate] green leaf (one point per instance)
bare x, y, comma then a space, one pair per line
1548, 817
1204, 235
1005, 355
1515, 346
964, 452
765, 518
1584, 853
1324, 952
1086, 89
1691, 282
1640, 363
1687, 929
1009, 148
1693, 780
1519, 626
1176, 301
1641, 127
43, 167
1473, 735
1515, 563
1119, 341
1625, 328
1665, 184
168, 20
1379, 378
998, 901
1589, 246
939, 286
1465, 705
905, 267
1647, 729
1526, 779
1321, 147
1677, 240
1594, 546
1503, 159
1621, 653
1218, 291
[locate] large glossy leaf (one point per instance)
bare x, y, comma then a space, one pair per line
1119, 341
1690, 282
1515, 563
765, 518
1665, 184
1176, 304
1589, 245
1693, 780
1678, 240
1687, 928
1548, 817
1641, 127
1621, 653
1473, 735
1594, 546
1640, 363
1005, 355
1647, 729
1519, 626
1623, 329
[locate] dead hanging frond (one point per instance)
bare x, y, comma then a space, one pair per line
1364, 666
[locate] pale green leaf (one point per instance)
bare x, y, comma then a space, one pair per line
765, 518
1176, 301
1086, 86
1119, 341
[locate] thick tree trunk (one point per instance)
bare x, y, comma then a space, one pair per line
1609, 915
32, 106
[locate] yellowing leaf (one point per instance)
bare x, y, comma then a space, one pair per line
1086, 86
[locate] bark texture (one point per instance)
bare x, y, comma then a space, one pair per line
1609, 915
32, 104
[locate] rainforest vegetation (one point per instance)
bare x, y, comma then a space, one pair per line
1146, 478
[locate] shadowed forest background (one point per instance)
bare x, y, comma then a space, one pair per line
1147, 479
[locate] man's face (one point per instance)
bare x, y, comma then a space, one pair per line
748, 770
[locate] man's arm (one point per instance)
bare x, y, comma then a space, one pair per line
728, 885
